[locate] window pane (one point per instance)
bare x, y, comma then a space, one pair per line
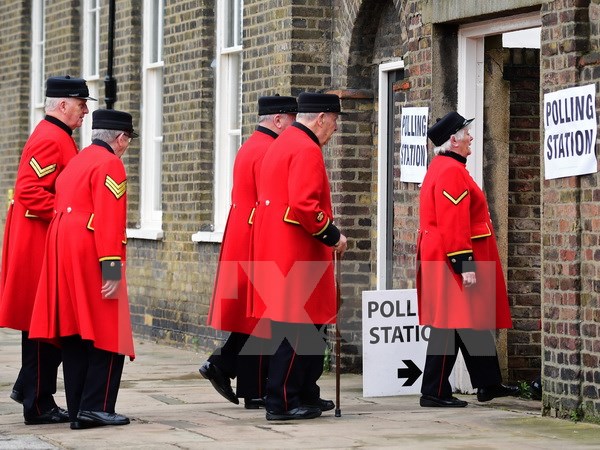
93, 69
233, 22
39, 48
156, 31
235, 79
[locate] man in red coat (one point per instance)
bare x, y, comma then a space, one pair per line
46, 153
460, 284
81, 300
243, 356
292, 273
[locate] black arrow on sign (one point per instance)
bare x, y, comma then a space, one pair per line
411, 373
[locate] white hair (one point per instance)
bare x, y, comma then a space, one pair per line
266, 117
107, 136
307, 116
445, 147
51, 104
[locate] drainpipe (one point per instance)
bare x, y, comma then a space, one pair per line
110, 84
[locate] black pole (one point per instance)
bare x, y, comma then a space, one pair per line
110, 84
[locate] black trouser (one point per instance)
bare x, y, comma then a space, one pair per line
246, 358
479, 352
37, 377
92, 376
296, 365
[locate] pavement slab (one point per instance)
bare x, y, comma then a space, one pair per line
172, 407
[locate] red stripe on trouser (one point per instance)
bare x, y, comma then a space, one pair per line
288, 375
108, 382
443, 366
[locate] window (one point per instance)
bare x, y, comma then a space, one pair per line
228, 110
90, 59
152, 124
37, 94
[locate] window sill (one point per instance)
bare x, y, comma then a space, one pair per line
145, 233
208, 236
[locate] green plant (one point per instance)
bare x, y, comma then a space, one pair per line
524, 390
327, 360
576, 415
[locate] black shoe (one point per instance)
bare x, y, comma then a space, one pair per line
87, 419
436, 402
303, 412
485, 394
17, 396
323, 405
254, 403
219, 380
54, 415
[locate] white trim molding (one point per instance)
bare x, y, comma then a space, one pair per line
383, 259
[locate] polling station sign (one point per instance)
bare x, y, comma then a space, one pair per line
570, 132
394, 344
413, 144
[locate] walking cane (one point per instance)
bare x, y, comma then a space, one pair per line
338, 288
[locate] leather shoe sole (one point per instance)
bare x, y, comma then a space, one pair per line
254, 403
489, 393
301, 413
17, 396
323, 405
436, 402
87, 419
219, 381
54, 415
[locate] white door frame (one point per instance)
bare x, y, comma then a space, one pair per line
383, 259
471, 52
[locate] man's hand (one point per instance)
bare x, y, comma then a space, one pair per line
341, 245
469, 279
110, 288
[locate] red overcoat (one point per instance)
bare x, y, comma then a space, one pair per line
292, 270
88, 228
455, 227
44, 156
228, 309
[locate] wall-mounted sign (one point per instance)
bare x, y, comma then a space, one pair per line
413, 144
570, 132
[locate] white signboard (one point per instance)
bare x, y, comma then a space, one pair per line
570, 132
394, 344
413, 144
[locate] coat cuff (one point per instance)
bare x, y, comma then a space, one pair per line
330, 235
462, 261
111, 269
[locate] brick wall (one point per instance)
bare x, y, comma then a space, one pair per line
267, 26
524, 238
127, 61
414, 91
171, 279
15, 23
569, 230
63, 23
589, 65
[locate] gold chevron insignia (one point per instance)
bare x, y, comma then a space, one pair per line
456, 201
118, 189
39, 170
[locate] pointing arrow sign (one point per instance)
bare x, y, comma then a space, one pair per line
411, 372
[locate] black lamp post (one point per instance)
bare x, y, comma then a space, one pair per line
110, 84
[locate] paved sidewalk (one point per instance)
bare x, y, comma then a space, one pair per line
172, 407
